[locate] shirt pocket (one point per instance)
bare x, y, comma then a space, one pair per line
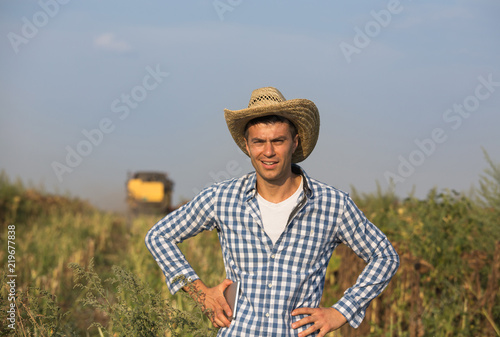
306, 248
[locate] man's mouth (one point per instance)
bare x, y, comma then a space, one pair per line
269, 163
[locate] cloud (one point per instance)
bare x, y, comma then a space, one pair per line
108, 41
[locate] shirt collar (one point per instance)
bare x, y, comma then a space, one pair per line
251, 185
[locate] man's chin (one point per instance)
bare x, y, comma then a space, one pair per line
270, 176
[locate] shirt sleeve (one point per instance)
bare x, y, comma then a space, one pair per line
370, 244
185, 222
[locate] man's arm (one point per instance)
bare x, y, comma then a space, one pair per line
370, 244
185, 222
162, 241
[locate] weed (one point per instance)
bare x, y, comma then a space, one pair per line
133, 308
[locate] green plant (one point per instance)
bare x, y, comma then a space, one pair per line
132, 308
37, 313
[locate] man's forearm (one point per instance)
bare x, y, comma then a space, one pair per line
195, 289
212, 301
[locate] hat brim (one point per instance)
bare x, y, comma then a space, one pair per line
302, 113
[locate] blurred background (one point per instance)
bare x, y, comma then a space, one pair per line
92, 90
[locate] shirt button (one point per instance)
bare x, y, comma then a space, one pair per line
267, 314
273, 256
270, 285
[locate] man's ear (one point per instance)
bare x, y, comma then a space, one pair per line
246, 144
295, 142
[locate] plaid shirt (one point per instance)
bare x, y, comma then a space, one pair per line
275, 279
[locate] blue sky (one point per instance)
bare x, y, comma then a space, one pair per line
408, 90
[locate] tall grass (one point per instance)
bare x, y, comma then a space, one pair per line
85, 272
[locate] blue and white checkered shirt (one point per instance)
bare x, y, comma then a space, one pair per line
276, 279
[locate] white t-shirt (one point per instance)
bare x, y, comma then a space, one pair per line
275, 216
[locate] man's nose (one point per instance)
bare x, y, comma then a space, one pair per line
269, 149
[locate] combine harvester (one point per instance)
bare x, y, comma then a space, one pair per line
149, 193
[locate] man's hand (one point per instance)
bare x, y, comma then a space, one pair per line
212, 300
322, 319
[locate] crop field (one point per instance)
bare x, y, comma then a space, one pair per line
73, 270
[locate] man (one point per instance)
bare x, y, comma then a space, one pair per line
277, 228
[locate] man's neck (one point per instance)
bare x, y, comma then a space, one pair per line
276, 192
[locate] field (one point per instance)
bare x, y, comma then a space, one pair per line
85, 272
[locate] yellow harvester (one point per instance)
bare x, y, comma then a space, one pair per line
149, 192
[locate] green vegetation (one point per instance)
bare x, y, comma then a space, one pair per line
85, 272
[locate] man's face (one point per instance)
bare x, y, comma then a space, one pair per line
270, 147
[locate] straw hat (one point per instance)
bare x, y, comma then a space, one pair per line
302, 113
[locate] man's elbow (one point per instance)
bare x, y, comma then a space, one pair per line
148, 239
395, 262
